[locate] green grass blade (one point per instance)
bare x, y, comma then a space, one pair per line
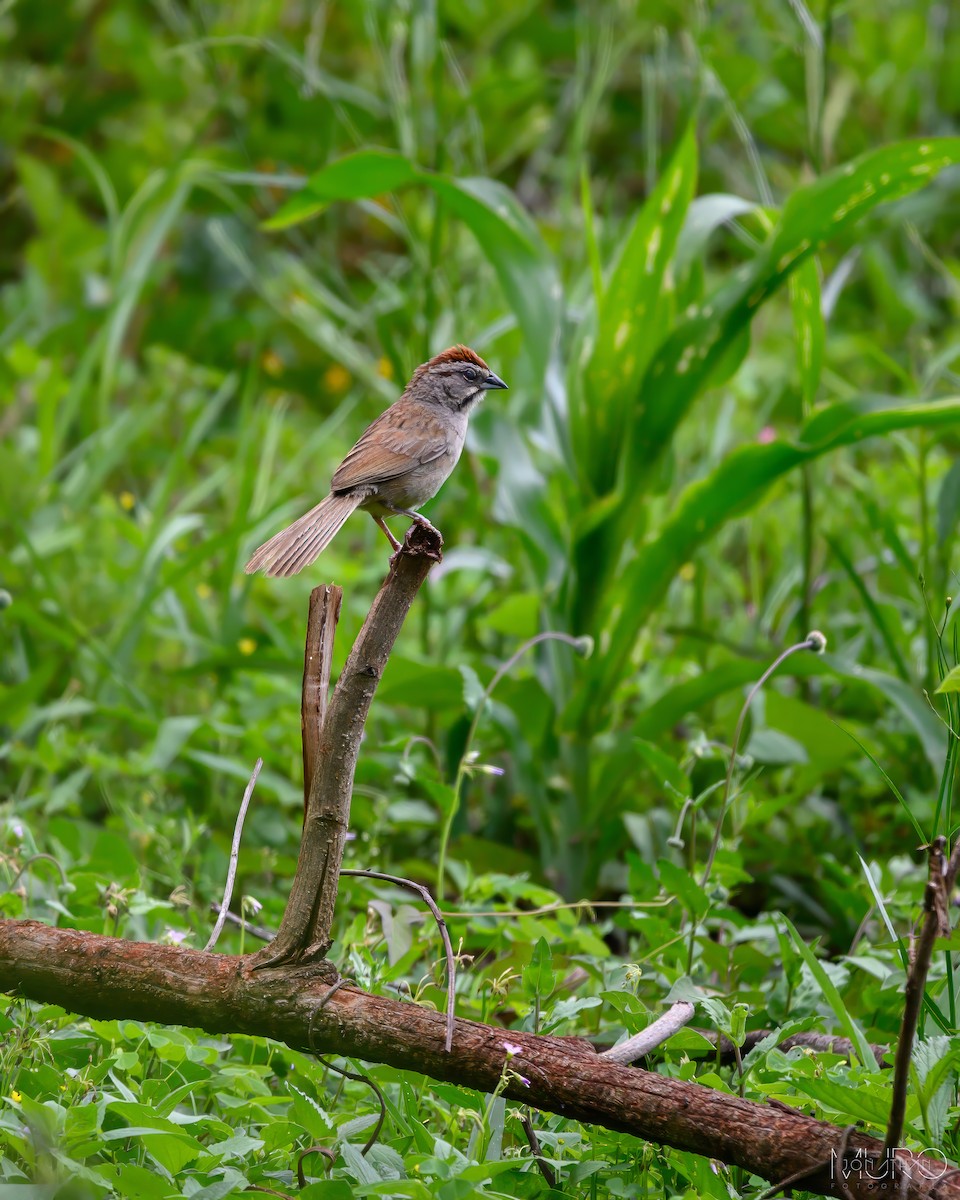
738, 484
881, 903
813, 215
504, 231
633, 314
871, 606
832, 996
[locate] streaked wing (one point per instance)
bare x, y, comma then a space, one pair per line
393, 445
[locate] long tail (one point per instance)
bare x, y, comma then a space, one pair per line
295, 547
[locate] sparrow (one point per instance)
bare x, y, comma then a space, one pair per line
399, 463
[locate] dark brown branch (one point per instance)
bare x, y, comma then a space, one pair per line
221, 994
533, 1142
936, 923
305, 929
823, 1043
260, 932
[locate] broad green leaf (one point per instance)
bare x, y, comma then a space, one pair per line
665, 770
513, 247
738, 484
704, 216
680, 883
850, 1027
813, 215
948, 505
808, 328
633, 314
865, 1102
689, 359
354, 177
950, 682
505, 232
539, 977
137, 1183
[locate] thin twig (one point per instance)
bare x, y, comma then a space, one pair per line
29, 863
836, 1156
583, 646
585, 906
935, 924
546, 1170
814, 641
654, 1035
234, 857
328, 1154
260, 932
429, 901
371, 1140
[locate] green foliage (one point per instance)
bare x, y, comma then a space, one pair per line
717, 261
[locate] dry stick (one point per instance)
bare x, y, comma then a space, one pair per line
654, 1035
823, 1043
260, 932
29, 863
546, 1170
372, 1084
234, 856
318, 654
814, 641
936, 897
322, 621
304, 933
223, 994
429, 901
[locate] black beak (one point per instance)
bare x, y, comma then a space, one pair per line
493, 381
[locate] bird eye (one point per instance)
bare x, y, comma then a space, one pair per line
471, 373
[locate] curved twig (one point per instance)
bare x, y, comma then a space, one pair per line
444, 933
234, 856
654, 1035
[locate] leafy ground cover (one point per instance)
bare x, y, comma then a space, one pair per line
715, 255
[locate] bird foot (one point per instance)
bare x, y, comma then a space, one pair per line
422, 540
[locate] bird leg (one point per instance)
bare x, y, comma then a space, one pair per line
383, 525
419, 518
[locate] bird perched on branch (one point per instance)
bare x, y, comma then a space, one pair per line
398, 464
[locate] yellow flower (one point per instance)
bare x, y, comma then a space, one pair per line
127, 501
16, 1097
336, 379
385, 368
272, 363
246, 646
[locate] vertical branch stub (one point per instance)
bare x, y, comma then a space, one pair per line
322, 620
332, 742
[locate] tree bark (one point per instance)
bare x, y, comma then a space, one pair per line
330, 755
108, 978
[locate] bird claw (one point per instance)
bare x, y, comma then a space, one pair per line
422, 540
